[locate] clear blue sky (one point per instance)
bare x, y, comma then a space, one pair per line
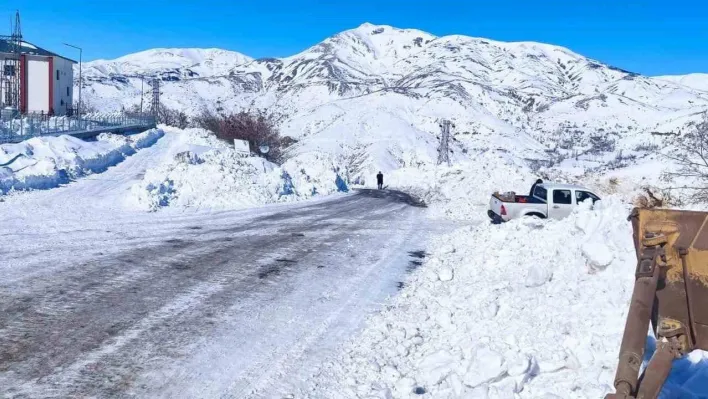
651, 37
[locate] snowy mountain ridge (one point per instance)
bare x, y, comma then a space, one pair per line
168, 62
378, 92
697, 81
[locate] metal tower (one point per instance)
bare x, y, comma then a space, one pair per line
444, 149
155, 106
10, 66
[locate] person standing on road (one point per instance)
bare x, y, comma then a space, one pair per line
533, 187
379, 180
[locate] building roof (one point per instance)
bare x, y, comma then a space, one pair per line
29, 48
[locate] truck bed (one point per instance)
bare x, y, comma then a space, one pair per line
519, 199
503, 208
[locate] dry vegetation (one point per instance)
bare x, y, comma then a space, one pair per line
691, 157
256, 127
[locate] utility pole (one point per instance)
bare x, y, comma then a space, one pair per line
81, 82
444, 148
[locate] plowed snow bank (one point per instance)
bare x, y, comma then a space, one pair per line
47, 162
460, 191
202, 171
528, 309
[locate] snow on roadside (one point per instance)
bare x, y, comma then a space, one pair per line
527, 309
204, 172
47, 162
458, 192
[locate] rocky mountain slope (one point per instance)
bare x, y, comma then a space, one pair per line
372, 96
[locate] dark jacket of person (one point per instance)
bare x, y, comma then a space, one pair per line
379, 178
533, 187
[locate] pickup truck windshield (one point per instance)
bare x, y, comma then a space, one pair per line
541, 193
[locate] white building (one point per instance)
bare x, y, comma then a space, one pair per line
44, 80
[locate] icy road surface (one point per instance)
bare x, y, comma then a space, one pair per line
201, 310
99, 301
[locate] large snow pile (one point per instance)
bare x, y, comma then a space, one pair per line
47, 162
461, 191
202, 171
529, 309
315, 173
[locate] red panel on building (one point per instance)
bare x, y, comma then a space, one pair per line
51, 86
23, 83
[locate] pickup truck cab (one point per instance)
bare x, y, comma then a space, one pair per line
549, 200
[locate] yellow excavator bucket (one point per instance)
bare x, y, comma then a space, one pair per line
671, 291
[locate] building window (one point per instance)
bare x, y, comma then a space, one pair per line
9, 70
67, 91
57, 74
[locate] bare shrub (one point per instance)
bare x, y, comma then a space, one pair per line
256, 127
172, 117
691, 156
85, 107
647, 147
165, 116
601, 143
287, 141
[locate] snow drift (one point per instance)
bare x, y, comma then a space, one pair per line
204, 172
461, 191
531, 308
47, 162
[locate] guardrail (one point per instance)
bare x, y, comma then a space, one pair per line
34, 125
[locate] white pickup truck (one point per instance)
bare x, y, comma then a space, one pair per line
549, 200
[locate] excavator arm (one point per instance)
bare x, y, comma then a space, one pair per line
671, 279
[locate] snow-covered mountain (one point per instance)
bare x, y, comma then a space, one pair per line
168, 64
698, 81
376, 93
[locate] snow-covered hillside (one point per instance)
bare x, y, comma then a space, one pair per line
698, 81
372, 96
168, 63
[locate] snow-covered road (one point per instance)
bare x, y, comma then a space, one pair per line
97, 300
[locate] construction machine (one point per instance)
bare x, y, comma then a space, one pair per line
670, 291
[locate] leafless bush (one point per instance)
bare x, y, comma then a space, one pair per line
166, 116
287, 141
85, 107
601, 143
691, 156
647, 147
620, 161
172, 117
256, 127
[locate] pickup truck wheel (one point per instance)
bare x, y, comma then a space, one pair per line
534, 214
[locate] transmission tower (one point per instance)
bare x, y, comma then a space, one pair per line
444, 148
155, 105
10, 73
